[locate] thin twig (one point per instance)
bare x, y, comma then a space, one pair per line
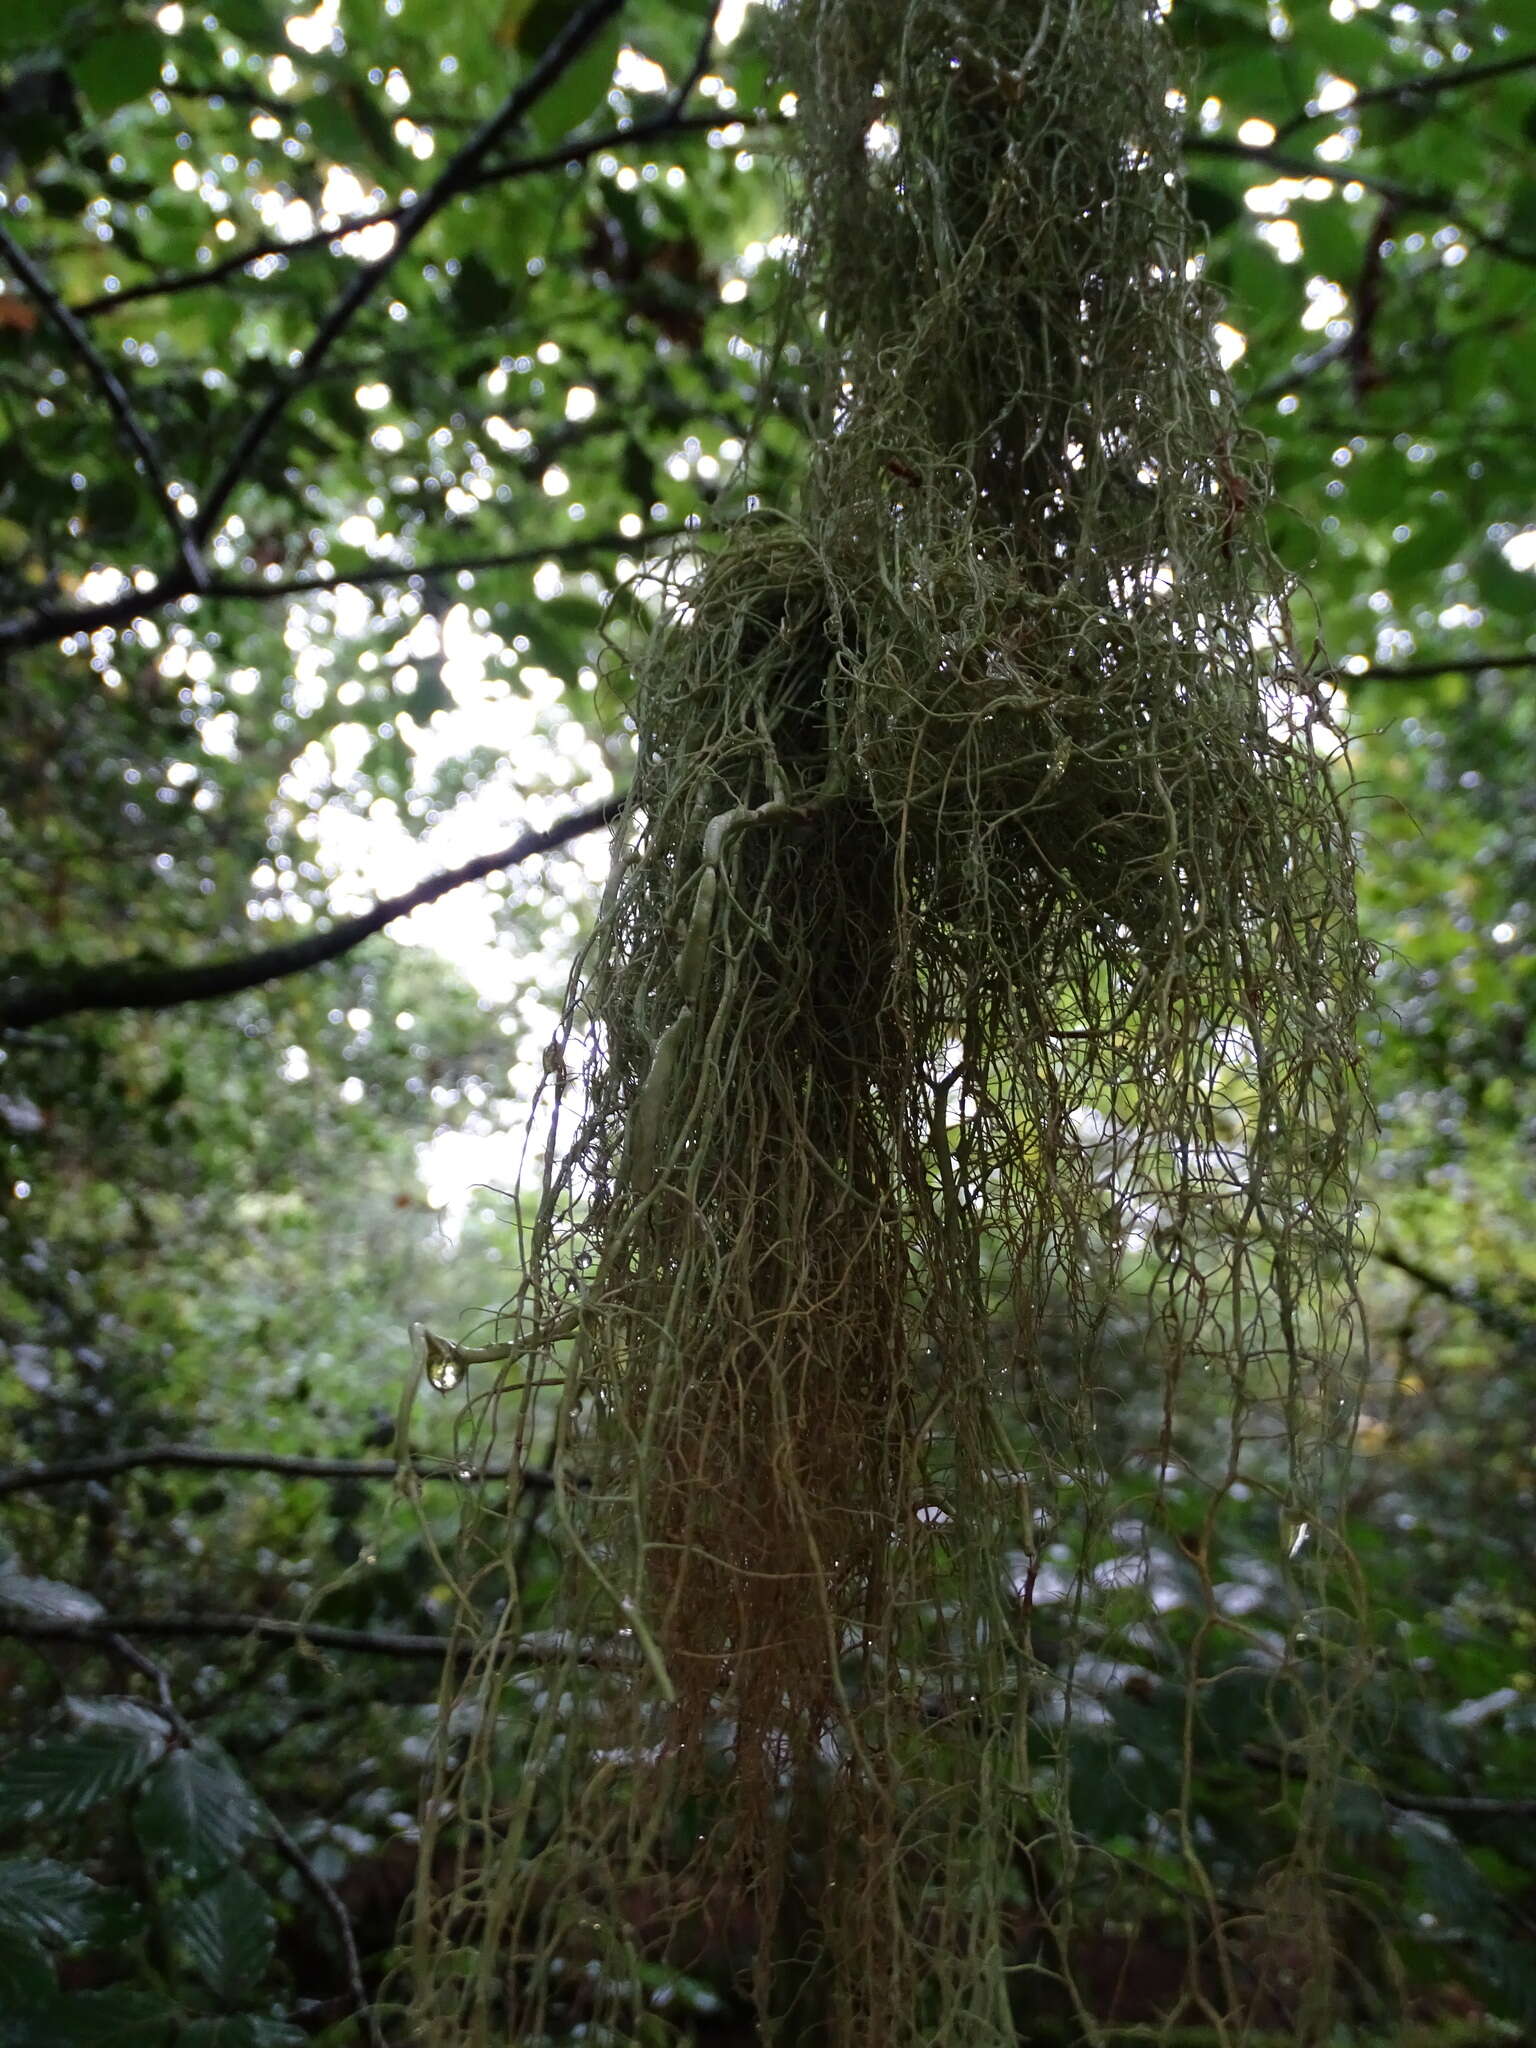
1471, 1807
205, 1458
1404, 91
701, 56
341, 1920
1285, 166
577, 151
1424, 671
142, 985
129, 1653
407, 572
1504, 1322
131, 428
1303, 368
557, 59
37, 629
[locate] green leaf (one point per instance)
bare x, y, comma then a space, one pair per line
1210, 206
124, 1716
28, 24
479, 294
1451, 1885
196, 1811
1520, 221
578, 92
114, 69
123, 2017
530, 26
59, 1779
258, 22
44, 1900
225, 1934
1435, 540
27, 1984
1503, 585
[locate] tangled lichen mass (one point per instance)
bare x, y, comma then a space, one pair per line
978, 970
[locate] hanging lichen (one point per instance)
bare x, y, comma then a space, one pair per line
978, 968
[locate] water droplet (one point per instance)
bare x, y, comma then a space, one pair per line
445, 1368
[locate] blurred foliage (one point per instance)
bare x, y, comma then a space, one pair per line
213, 1222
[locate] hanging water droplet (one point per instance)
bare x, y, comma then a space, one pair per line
445, 1368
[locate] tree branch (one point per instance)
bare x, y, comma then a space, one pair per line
1284, 166
1407, 90
145, 985
577, 151
557, 59
131, 429
204, 1458
407, 572
1503, 1322
319, 1635
701, 57
1425, 671
39, 628
1470, 1806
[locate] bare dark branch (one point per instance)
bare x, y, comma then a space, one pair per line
579, 150
1286, 166
1406, 92
1450, 665
39, 628
206, 1458
134, 434
410, 572
145, 985
1493, 1315
317, 1635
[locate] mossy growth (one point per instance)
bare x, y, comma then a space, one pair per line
979, 954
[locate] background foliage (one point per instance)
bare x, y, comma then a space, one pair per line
253, 683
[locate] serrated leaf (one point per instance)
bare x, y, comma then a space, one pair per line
196, 1810
45, 1900
116, 1711
62, 1778
112, 70
48, 1599
1452, 1885
120, 2018
224, 1932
